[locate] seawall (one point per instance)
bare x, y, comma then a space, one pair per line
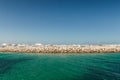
62, 49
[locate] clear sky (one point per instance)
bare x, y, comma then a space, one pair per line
60, 21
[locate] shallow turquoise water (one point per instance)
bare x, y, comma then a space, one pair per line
59, 66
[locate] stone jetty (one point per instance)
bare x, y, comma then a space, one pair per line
39, 48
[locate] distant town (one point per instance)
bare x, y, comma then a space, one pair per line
42, 48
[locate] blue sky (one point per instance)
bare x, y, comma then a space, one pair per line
60, 21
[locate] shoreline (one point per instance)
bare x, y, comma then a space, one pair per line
59, 49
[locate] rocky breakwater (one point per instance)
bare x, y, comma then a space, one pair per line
62, 49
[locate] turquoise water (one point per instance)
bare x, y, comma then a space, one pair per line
59, 66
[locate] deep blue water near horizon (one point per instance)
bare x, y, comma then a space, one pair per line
59, 66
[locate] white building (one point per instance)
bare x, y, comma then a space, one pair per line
4, 44
21, 45
38, 44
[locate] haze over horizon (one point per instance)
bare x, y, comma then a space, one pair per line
60, 21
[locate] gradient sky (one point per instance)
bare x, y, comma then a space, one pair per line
60, 21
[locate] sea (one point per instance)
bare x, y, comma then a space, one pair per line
28, 66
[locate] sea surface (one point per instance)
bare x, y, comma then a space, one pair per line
19, 66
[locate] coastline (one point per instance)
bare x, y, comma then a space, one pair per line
58, 49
